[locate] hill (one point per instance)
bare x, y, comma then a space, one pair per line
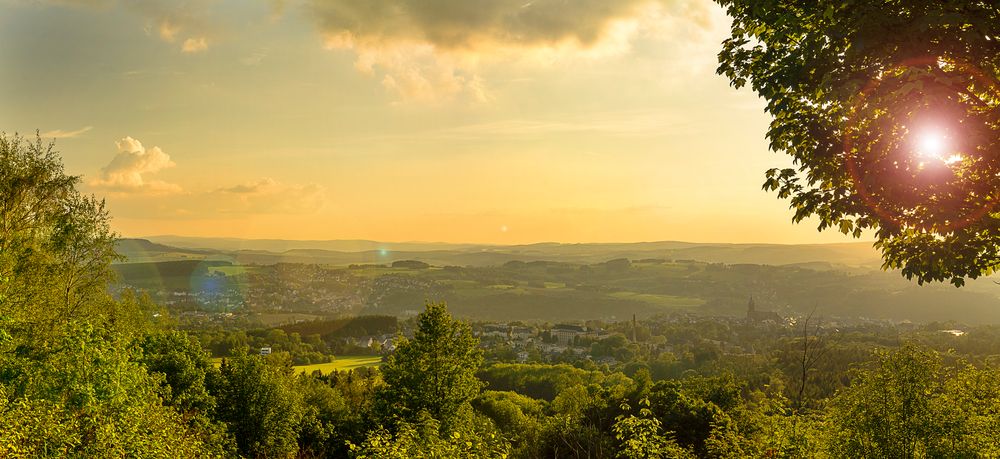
843, 256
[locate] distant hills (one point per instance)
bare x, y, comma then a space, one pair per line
845, 256
838, 279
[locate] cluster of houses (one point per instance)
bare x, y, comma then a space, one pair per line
556, 340
383, 344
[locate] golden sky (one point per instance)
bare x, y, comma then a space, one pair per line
493, 121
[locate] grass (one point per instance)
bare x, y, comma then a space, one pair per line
342, 363
233, 270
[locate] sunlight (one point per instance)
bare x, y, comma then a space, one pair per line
932, 144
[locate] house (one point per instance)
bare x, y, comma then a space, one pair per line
265, 351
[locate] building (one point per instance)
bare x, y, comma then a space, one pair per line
756, 317
265, 351
495, 331
521, 333
566, 333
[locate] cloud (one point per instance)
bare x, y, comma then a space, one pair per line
61, 134
186, 21
168, 30
431, 49
267, 195
194, 45
127, 171
257, 187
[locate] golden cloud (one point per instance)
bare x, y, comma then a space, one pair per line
426, 50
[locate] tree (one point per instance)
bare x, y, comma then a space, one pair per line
260, 405
642, 437
92, 399
185, 367
422, 438
324, 410
891, 112
70, 379
56, 246
904, 407
434, 372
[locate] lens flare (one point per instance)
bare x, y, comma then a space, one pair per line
933, 144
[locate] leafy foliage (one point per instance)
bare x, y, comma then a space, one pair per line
435, 371
260, 406
90, 400
423, 439
642, 436
854, 88
55, 244
910, 405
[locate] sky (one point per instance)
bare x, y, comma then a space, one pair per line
474, 121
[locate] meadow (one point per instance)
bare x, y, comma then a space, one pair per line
342, 363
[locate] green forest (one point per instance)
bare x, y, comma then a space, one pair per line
87, 374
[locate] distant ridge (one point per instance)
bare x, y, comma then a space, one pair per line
343, 252
282, 245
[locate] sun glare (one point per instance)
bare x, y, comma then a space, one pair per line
932, 144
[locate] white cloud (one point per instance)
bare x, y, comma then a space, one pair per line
61, 134
128, 170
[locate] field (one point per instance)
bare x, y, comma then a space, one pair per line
232, 270
343, 363
347, 362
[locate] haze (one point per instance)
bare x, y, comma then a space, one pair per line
496, 122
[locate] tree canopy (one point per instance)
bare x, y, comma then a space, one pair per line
891, 112
434, 372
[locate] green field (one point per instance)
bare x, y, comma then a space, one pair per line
347, 362
232, 270
668, 301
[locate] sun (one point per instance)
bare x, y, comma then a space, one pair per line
932, 143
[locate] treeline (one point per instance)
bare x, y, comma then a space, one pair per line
349, 327
305, 342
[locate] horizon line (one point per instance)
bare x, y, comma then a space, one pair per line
495, 244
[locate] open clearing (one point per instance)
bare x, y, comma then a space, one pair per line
342, 363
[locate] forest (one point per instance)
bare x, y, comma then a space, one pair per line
84, 373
